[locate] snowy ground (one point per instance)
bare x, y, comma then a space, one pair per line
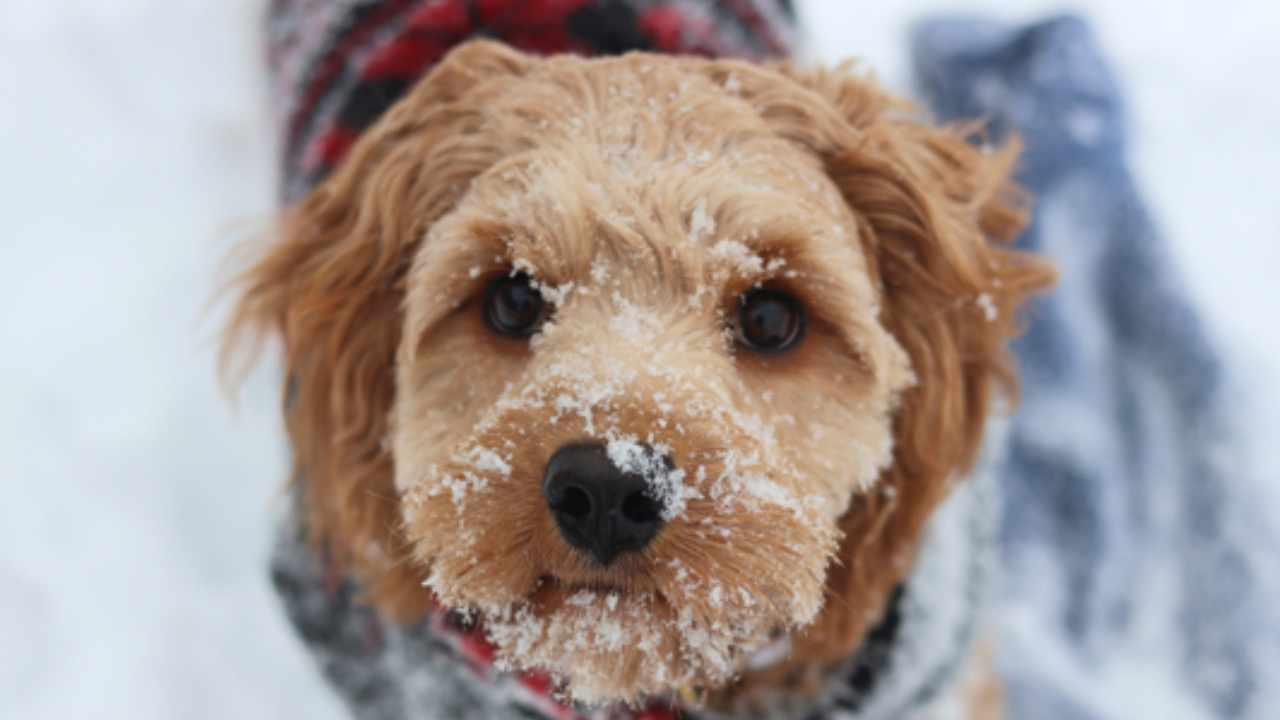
134, 509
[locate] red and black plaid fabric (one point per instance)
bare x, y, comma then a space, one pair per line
338, 65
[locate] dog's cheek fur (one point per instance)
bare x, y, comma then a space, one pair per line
832, 415
440, 400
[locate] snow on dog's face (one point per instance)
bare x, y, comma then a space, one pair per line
612, 284
711, 284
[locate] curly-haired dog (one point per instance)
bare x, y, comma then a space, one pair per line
650, 365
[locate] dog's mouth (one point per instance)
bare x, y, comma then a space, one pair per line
551, 587
595, 586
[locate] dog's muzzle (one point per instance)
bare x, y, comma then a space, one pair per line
597, 506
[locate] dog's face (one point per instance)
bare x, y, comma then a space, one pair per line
652, 271
647, 362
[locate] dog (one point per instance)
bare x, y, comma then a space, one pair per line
651, 369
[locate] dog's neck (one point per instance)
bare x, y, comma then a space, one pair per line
443, 668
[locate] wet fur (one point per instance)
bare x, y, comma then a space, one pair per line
613, 182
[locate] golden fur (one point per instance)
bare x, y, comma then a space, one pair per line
645, 194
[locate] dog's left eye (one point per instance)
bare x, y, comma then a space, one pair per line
513, 306
769, 320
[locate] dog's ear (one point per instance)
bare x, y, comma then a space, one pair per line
331, 284
935, 214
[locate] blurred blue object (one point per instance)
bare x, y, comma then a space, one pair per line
1128, 535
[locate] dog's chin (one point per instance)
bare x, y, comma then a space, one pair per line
608, 644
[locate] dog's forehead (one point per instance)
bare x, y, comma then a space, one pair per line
697, 209
654, 168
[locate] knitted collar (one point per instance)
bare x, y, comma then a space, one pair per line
443, 668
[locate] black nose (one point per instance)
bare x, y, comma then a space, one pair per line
597, 506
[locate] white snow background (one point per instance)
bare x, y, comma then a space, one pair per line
135, 509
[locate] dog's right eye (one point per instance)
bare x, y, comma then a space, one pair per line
769, 321
513, 306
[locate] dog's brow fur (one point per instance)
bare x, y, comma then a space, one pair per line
645, 195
